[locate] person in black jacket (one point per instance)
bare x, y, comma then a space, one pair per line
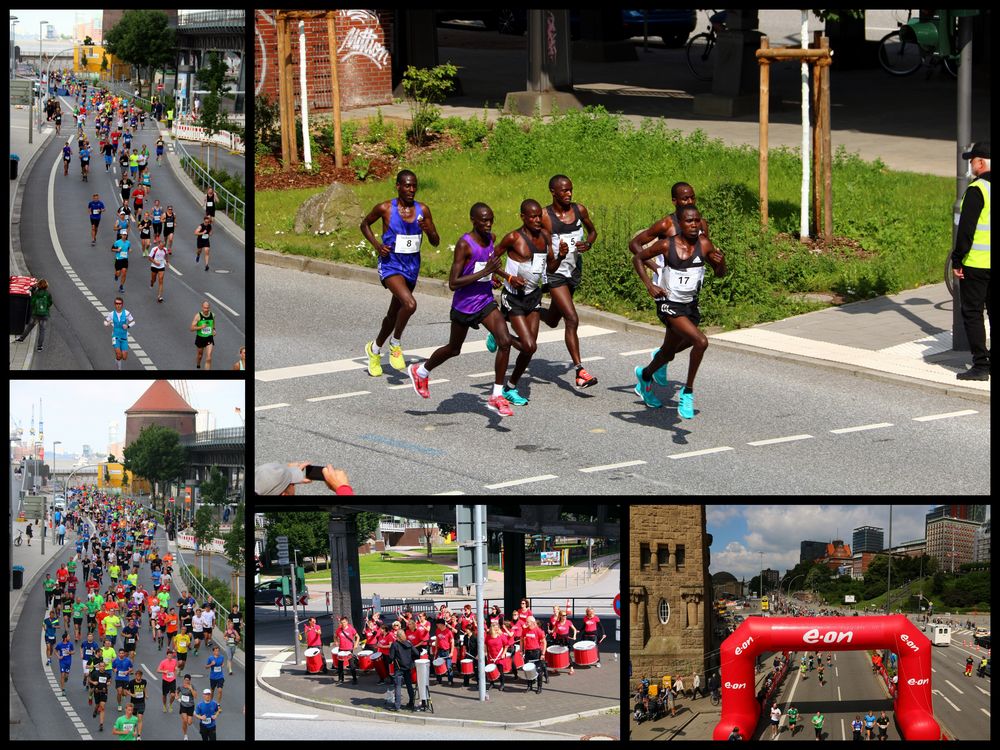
402, 654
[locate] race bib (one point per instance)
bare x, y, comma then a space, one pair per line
207, 721
684, 284
407, 243
479, 266
185, 699
538, 262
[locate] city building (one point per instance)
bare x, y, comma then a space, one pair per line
160, 405
670, 592
771, 578
868, 539
837, 556
951, 541
982, 543
811, 551
975, 513
724, 583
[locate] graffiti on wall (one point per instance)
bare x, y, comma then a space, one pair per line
363, 42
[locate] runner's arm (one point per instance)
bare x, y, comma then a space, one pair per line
379, 211
638, 260
716, 259
589, 225
427, 224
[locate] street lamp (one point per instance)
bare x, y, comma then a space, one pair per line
13, 62
54, 444
40, 24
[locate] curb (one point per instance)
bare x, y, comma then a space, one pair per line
591, 316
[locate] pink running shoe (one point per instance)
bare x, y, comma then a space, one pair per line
500, 405
419, 383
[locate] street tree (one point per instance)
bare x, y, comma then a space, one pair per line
156, 455
144, 39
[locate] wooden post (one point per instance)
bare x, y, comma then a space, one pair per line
827, 147
331, 30
765, 83
289, 78
817, 127
283, 93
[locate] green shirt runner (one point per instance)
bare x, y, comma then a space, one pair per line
793, 715
127, 724
818, 721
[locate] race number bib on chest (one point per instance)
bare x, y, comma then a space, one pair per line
407, 243
685, 283
479, 266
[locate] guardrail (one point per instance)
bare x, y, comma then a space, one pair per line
229, 203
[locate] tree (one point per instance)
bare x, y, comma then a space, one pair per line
213, 489
213, 77
235, 546
156, 455
143, 38
206, 528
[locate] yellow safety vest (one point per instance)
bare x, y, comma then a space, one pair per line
979, 254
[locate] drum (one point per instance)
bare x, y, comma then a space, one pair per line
380, 665
585, 653
492, 673
530, 673
653, 690
506, 663
468, 666
519, 658
440, 666
345, 658
365, 661
314, 660
557, 657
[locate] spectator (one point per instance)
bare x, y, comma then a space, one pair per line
61, 531
278, 479
696, 686
735, 735
671, 700
679, 685
41, 301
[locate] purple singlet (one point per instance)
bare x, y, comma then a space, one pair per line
474, 297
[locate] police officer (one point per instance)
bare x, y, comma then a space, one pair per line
970, 260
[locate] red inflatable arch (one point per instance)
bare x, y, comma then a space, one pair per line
914, 712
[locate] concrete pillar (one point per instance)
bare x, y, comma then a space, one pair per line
602, 37
514, 585
736, 81
549, 74
345, 598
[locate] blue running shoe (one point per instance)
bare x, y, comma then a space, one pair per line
644, 389
685, 406
660, 376
491, 343
514, 397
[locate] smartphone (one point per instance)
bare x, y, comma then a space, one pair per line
314, 472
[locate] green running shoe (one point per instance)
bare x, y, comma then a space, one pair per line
491, 343
514, 397
660, 376
685, 406
644, 389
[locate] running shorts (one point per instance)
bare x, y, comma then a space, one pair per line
665, 310
472, 320
513, 304
201, 342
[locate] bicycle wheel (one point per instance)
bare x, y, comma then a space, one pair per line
699, 56
898, 55
951, 65
949, 277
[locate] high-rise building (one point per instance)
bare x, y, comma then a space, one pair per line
951, 541
810, 551
868, 539
975, 513
982, 543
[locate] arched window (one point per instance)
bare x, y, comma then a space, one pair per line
663, 610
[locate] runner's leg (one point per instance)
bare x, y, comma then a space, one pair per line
698, 341
405, 304
562, 298
526, 328
452, 349
496, 325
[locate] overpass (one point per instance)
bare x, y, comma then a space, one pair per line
201, 32
225, 448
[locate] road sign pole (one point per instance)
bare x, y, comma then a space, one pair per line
295, 610
479, 536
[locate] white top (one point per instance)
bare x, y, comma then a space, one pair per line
158, 258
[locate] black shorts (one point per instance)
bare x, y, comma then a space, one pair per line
573, 280
217, 683
95, 222
472, 320
144, 236
665, 310
100, 696
120, 264
513, 304
157, 228
202, 341
138, 707
167, 230
169, 687
203, 242
189, 710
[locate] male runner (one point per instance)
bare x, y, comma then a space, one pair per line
125, 726
186, 696
404, 222
123, 675
204, 340
210, 202
566, 221
96, 208
159, 148
157, 218
100, 679
138, 196
676, 294
85, 160
121, 248
207, 712
121, 320
216, 676
168, 668
204, 232
67, 151
475, 263
137, 691
158, 261
50, 624
65, 650
108, 149
145, 225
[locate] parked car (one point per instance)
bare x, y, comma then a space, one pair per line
432, 587
265, 594
983, 640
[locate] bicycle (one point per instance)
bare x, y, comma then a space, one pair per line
901, 52
698, 50
715, 697
18, 540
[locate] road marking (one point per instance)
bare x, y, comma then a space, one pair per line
515, 482
955, 687
410, 385
269, 406
638, 351
947, 415
705, 452
223, 304
289, 716
591, 359
607, 467
339, 395
482, 374
876, 426
339, 365
450, 492
773, 441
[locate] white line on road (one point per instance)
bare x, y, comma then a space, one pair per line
705, 452
410, 385
450, 492
638, 351
955, 687
774, 441
339, 395
514, 482
269, 406
482, 374
985, 712
876, 426
227, 307
591, 359
289, 716
947, 415
607, 467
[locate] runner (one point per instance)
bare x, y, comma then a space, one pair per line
168, 668
856, 726
470, 279
529, 255
96, 208
122, 220
207, 712
232, 637
159, 259
123, 163
169, 224
182, 644
121, 249
123, 675
79, 608
159, 148
404, 222
157, 218
676, 295
817, 722
869, 725
145, 225
65, 650
138, 196
146, 180
67, 152
133, 157
793, 718
204, 340
241, 363
88, 652
210, 203
204, 232
216, 675
85, 160
775, 719
566, 221
125, 726
58, 117
100, 679
197, 630
121, 320
50, 624
142, 158
187, 697
108, 150
883, 727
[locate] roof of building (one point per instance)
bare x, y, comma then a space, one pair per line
161, 397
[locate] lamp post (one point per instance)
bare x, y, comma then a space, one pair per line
40, 24
54, 444
13, 61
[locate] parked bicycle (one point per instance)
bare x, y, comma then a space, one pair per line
700, 46
919, 42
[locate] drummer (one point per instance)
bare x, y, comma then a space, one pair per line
496, 649
401, 657
314, 638
534, 645
516, 628
386, 637
560, 632
424, 628
470, 651
524, 612
593, 631
346, 639
467, 618
495, 616
443, 649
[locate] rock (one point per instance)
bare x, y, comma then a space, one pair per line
335, 208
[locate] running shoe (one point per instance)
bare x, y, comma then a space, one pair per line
685, 405
491, 343
514, 397
419, 383
584, 379
660, 376
374, 361
644, 389
500, 405
396, 360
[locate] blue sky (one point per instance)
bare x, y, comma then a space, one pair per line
741, 532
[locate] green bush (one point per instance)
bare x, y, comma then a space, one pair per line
378, 131
425, 88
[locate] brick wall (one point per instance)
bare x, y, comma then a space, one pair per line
364, 64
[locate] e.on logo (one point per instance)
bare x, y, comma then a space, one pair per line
742, 647
913, 682
734, 685
832, 636
905, 639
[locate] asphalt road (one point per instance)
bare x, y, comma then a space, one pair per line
566, 441
57, 247
56, 717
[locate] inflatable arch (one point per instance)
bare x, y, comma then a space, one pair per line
914, 712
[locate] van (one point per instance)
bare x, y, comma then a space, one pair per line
940, 635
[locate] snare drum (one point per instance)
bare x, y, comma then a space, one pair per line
492, 673
314, 660
585, 653
530, 673
557, 657
365, 661
518, 659
505, 664
468, 666
379, 662
440, 666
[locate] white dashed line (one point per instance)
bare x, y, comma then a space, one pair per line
270, 406
638, 351
339, 395
515, 482
773, 441
948, 415
450, 492
410, 385
876, 426
608, 467
705, 452
224, 305
481, 374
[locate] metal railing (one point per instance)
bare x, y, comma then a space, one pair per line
203, 18
229, 203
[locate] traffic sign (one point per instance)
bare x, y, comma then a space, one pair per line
618, 605
282, 550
